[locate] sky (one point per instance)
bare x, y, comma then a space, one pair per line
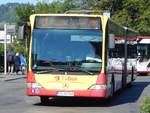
21, 1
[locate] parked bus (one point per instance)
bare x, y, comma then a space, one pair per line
72, 55
143, 62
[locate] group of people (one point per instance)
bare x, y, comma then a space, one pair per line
15, 63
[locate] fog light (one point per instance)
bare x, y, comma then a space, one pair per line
36, 85
33, 85
97, 87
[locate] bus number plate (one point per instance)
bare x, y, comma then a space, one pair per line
61, 93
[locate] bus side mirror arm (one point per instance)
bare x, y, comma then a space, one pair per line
24, 31
111, 41
21, 32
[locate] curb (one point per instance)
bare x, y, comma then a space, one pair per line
15, 78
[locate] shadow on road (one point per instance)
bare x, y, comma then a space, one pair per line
128, 95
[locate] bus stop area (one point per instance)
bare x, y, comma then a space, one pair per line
8, 77
14, 76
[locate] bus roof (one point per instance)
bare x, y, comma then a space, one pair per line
144, 41
77, 15
142, 37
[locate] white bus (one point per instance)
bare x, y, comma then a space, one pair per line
143, 62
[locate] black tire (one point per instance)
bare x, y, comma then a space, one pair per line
44, 100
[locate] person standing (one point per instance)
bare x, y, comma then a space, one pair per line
22, 63
17, 62
10, 62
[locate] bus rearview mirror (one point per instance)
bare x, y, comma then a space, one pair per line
21, 32
111, 41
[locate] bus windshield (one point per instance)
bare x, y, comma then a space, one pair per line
67, 49
143, 52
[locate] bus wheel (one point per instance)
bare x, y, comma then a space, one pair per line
44, 100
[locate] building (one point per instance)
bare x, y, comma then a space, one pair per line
3, 36
11, 28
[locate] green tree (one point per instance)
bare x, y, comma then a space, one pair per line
134, 14
56, 7
42, 8
69, 5
19, 46
23, 12
1, 49
131, 13
111, 5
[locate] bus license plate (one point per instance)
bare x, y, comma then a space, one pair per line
60, 93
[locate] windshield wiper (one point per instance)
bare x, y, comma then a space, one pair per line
88, 72
80, 69
42, 69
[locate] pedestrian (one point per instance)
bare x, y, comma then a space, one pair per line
17, 62
22, 63
10, 62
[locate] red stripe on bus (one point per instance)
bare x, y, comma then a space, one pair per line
143, 36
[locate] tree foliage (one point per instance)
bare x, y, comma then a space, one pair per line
131, 13
1, 49
54, 7
23, 12
42, 8
134, 14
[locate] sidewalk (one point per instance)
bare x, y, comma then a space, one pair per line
10, 77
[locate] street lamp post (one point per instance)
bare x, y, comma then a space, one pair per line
9, 30
5, 50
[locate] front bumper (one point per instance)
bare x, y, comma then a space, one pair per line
75, 93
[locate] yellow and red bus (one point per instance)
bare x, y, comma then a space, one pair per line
72, 55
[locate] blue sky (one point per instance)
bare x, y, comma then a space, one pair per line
20, 1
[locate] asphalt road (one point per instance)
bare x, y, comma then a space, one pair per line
14, 100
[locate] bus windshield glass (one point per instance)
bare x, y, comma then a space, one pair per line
67, 49
143, 51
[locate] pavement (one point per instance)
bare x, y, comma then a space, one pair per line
13, 76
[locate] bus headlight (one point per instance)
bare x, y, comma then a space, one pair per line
33, 85
36, 85
97, 87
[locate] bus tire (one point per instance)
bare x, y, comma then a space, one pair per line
44, 100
